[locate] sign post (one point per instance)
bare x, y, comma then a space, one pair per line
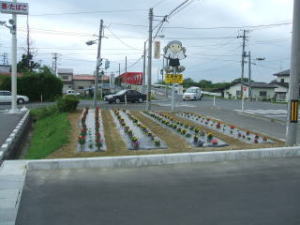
14, 8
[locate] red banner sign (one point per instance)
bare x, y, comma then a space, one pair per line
135, 78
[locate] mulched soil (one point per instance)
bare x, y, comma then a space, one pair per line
117, 147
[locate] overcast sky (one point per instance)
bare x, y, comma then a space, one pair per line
213, 54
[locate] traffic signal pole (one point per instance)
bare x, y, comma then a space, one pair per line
293, 100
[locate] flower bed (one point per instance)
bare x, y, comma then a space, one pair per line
229, 130
193, 135
90, 139
136, 135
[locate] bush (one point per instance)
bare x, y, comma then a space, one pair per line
44, 112
39, 85
68, 103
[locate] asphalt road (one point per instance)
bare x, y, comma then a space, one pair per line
8, 122
261, 192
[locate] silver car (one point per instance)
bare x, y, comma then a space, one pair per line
5, 97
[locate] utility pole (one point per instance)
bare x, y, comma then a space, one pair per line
243, 60
144, 66
98, 64
292, 123
119, 80
149, 72
125, 64
250, 75
14, 108
54, 63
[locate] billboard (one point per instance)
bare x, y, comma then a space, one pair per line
135, 78
14, 8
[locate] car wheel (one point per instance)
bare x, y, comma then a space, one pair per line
20, 101
140, 100
118, 100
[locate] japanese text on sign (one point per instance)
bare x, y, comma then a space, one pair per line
14, 8
174, 78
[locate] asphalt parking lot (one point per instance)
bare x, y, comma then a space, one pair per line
261, 192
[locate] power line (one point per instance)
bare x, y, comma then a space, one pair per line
121, 41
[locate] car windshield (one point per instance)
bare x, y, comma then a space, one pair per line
121, 92
191, 91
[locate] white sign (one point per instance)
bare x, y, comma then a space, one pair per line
14, 8
156, 49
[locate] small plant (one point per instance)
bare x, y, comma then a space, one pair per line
210, 136
81, 140
214, 142
188, 135
183, 131
157, 142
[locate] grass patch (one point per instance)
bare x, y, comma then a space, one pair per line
49, 134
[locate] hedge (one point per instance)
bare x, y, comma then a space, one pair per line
36, 86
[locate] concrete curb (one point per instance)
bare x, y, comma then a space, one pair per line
13, 172
14, 136
163, 159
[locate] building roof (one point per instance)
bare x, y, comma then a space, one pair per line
9, 74
286, 85
88, 77
257, 85
285, 73
84, 77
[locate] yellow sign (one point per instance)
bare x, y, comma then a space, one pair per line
174, 78
294, 111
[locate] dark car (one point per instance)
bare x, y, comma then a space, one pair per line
131, 96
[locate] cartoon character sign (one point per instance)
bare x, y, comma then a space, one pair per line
174, 52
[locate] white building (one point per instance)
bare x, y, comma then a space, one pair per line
259, 90
66, 75
282, 85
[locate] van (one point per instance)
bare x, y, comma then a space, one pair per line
192, 93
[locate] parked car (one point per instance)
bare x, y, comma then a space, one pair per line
192, 93
72, 92
5, 97
131, 95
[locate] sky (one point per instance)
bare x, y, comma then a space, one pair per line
207, 28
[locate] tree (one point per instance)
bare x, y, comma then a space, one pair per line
37, 85
27, 64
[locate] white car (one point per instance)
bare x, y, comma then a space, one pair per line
72, 92
5, 97
192, 93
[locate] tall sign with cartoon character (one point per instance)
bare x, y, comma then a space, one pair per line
174, 52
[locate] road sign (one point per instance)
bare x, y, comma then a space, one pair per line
14, 8
174, 78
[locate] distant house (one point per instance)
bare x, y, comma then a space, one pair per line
81, 82
5, 69
66, 75
282, 85
259, 90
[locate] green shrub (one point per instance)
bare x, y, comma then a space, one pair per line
35, 85
68, 103
44, 112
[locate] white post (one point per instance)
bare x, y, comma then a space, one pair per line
14, 108
292, 123
243, 102
214, 100
125, 99
173, 98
